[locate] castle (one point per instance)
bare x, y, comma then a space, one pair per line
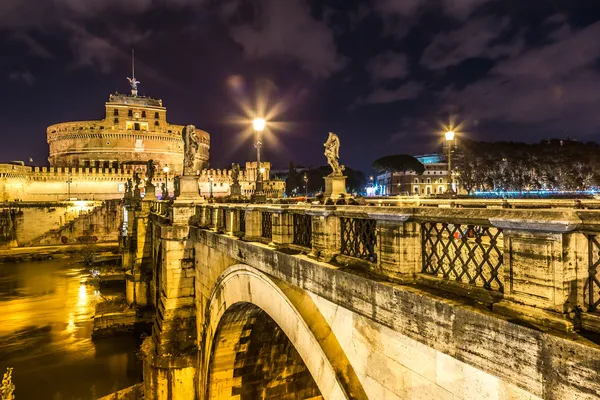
92, 160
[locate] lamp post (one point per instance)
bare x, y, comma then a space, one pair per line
210, 186
166, 170
306, 185
449, 139
259, 125
68, 182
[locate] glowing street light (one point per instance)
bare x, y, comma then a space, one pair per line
306, 185
449, 139
259, 125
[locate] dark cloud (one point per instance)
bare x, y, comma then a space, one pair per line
473, 39
287, 30
22, 77
554, 86
35, 48
388, 66
406, 91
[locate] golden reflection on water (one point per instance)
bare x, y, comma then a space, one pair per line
46, 321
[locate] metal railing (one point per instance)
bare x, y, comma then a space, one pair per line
470, 254
302, 230
222, 219
358, 238
266, 230
460, 248
592, 286
242, 219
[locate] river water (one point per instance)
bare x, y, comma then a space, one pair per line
46, 323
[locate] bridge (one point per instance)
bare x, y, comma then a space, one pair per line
427, 301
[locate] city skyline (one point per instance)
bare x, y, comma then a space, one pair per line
383, 75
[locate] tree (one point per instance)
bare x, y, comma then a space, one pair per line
291, 182
398, 163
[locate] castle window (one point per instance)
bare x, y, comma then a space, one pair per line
116, 112
156, 115
136, 126
155, 123
130, 113
143, 114
116, 120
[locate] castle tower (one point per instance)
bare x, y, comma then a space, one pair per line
134, 130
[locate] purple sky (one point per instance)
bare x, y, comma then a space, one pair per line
382, 74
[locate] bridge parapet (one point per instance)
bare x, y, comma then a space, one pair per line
539, 265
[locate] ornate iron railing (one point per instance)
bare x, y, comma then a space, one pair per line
302, 230
592, 286
242, 214
222, 219
465, 253
209, 220
358, 238
266, 225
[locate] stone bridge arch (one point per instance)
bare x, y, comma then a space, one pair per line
244, 298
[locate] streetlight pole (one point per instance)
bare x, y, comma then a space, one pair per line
259, 125
69, 181
449, 139
210, 186
166, 170
306, 185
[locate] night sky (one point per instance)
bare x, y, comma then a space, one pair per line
382, 74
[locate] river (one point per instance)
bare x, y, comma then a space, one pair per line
46, 323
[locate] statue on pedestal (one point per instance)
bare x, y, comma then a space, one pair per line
235, 189
191, 163
335, 183
136, 187
332, 153
129, 187
150, 169
235, 173
163, 189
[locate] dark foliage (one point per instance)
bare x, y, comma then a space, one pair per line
509, 166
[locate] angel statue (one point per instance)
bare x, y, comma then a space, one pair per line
332, 152
235, 173
133, 83
190, 149
136, 179
150, 168
129, 187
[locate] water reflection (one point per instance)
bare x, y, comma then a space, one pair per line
46, 312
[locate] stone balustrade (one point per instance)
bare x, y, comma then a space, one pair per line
538, 265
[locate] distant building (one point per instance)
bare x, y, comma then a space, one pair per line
134, 130
94, 159
434, 180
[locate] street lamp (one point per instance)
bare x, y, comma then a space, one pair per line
166, 170
449, 139
69, 181
210, 186
259, 125
306, 185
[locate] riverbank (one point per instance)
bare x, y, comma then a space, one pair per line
39, 253
135, 392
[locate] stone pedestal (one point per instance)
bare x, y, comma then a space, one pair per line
235, 190
335, 186
188, 188
149, 192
